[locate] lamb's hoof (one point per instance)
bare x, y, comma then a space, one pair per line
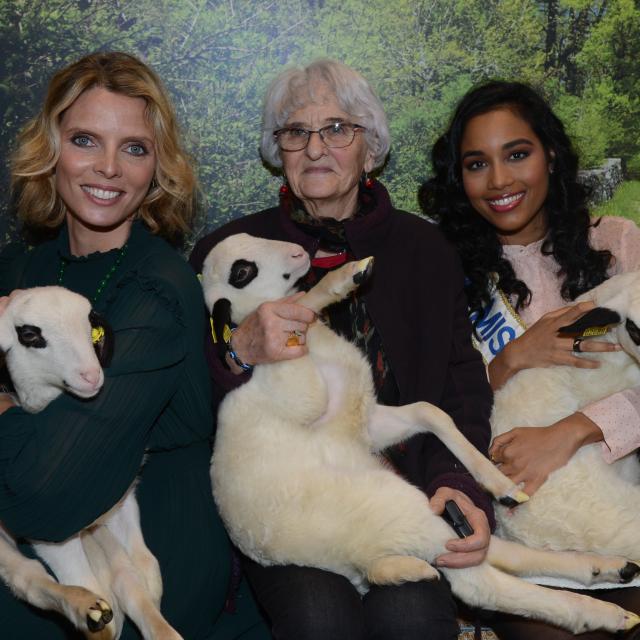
365, 267
513, 499
630, 620
99, 615
629, 572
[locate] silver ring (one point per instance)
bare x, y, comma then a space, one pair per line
576, 345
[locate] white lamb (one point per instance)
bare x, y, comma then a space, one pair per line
587, 505
296, 475
54, 342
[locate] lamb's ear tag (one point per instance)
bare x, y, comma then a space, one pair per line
596, 322
221, 324
97, 335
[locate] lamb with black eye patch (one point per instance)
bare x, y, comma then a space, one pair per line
99, 582
589, 504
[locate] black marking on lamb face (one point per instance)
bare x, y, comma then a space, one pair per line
104, 347
286, 276
598, 317
242, 273
633, 331
629, 572
31, 336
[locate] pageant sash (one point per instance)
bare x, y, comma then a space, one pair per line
499, 324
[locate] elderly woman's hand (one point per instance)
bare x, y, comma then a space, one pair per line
263, 335
469, 551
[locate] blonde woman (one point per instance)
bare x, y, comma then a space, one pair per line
101, 169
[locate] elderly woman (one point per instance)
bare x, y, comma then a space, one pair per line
102, 169
326, 129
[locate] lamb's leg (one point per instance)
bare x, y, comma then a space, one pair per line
398, 569
390, 425
336, 285
489, 588
107, 554
75, 596
585, 568
124, 524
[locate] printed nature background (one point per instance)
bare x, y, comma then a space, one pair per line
216, 58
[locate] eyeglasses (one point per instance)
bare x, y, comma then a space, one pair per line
335, 135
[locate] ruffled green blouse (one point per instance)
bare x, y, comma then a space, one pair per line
62, 468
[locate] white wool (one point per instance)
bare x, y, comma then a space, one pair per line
587, 505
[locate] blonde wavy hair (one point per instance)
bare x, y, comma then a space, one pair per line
168, 206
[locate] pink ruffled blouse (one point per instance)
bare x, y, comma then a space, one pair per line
618, 416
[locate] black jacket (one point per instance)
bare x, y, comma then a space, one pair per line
416, 302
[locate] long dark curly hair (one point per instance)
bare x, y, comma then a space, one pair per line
443, 198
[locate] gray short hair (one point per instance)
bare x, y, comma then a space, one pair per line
295, 88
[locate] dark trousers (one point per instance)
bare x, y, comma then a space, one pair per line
303, 603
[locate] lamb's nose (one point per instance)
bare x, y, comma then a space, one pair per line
92, 376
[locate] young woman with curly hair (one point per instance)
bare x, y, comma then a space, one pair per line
505, 192
102, 171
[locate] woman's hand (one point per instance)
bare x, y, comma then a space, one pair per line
4, 302
6, 402
262, 336
542, 346
530, 454
465, 552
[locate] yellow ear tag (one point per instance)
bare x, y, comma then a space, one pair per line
226, 332
97, 335
199, 276
595, 331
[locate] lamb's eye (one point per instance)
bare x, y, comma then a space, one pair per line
242, 273
634, 332
31, 336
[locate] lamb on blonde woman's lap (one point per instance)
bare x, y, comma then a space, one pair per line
587, 505
53, 343
298, 478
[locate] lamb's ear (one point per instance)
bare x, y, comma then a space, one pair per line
221, 324
592, 323
102, 338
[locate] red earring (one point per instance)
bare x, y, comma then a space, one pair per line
368, 182
284, 187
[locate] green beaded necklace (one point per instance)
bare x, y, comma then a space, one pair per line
103, 283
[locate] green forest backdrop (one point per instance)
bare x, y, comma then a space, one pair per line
216, 57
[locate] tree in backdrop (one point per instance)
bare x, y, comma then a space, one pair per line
216, 58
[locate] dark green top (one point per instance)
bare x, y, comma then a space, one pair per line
62, 468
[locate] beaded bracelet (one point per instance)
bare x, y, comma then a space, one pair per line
234, 356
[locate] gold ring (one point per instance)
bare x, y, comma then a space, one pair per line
292, 340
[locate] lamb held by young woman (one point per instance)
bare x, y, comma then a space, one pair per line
53, 342
588, 504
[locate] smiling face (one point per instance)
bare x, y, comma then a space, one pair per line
107, 161
505, 173
326, 179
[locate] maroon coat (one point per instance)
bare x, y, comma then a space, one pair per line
416, 302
